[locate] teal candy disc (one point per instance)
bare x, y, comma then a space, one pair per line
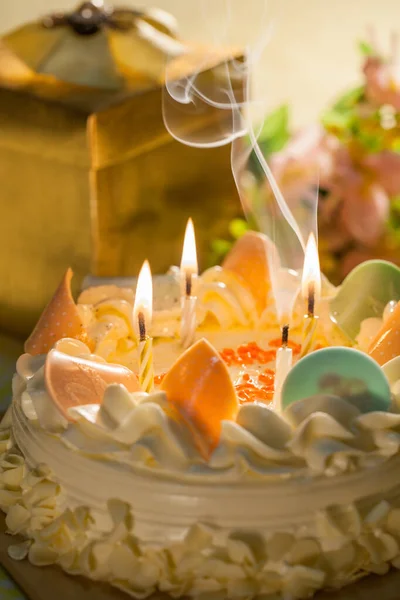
338, 371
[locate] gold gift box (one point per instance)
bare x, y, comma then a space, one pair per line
89, 175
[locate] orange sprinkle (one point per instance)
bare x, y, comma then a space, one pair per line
267, 356
247, 391
259, 388
250, 393
158, 378
266, 379
247, 354
269, 372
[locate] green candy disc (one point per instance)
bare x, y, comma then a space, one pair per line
338, 371
364, 293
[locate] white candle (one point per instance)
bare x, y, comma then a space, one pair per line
142, 314
284, 360
311, 290
189, 272
188, 320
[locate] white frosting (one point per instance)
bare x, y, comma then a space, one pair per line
107, 311
239, 553
319, 435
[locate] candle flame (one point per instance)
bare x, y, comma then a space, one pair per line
144, 296
311, 279
189, 254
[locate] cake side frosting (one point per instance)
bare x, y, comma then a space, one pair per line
334, 546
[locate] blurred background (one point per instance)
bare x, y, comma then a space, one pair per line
103, 184
312, 53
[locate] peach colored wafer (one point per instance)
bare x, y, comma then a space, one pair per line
59, 319
386, 344
248, 260
199, 386
74, 381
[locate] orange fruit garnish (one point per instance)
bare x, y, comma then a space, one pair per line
386, 344
199, 386
248, 260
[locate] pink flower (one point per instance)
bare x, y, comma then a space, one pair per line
382, 81
386, 169
335, 236
306, 161
365, 210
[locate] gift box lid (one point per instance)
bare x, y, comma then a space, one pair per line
98, 47
93, 53
95, 56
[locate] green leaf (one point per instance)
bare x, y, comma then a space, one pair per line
342, 118
365, 48
395, 203
372, 143
393, 223
218, 250
349, 99
396, 145
276, 124
237, 228
220, 247
336, 120
273, 136
255, 166
274, 144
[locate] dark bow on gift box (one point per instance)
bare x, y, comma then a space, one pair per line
90, 17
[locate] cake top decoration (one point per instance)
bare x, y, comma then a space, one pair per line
60, 319
200, 387
76, 380
342, 372
248, 259
364, 294
386, 345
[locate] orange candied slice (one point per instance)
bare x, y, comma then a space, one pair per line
386, 344
248, 260
74, 381
199, 386
59, 319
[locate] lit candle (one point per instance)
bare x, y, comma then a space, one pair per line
189, 272
311, 290
142, 314
284, 358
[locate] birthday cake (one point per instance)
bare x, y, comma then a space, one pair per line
215, 482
